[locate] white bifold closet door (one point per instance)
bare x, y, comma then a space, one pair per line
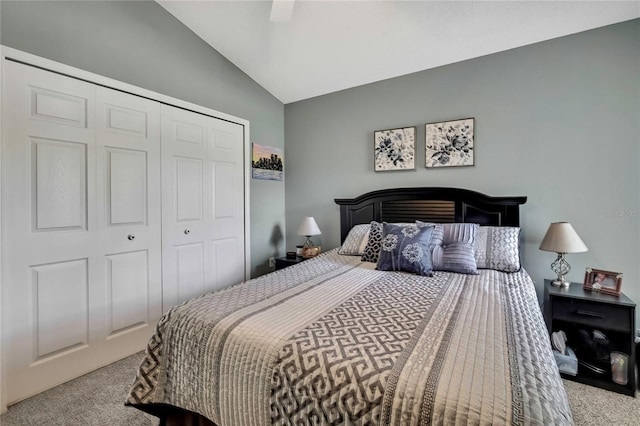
202, 206
115, 207
81, 226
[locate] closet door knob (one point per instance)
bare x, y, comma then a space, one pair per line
186, 232
130, 237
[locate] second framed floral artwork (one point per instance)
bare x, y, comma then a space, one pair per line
450, 143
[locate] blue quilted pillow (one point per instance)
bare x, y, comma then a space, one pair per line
406, 248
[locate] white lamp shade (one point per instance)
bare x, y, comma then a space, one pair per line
308, 227
562, 238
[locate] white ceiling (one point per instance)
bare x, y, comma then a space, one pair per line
332, 45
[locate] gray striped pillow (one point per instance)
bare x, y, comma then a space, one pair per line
356, 240
459, 257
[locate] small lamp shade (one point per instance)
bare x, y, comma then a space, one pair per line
308, 227
562, 239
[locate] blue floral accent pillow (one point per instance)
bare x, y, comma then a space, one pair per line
372, 250
406, 248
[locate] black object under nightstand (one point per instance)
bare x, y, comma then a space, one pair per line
572, 309
283, 262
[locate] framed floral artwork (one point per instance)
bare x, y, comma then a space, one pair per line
394, 149
450, 143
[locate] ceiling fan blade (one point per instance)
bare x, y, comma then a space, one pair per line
281, 10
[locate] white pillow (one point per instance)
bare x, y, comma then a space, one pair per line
356, 241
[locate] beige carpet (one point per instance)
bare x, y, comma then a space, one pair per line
98, 399
95, 399
595, 406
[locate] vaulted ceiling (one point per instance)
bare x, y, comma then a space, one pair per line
328, 46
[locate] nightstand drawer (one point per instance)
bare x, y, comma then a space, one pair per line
596, 315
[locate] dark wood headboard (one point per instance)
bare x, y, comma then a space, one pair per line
442, 205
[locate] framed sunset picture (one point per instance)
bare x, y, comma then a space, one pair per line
267, 163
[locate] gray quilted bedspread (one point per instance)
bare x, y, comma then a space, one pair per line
334, 341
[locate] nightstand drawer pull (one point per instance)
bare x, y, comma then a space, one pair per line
589, 313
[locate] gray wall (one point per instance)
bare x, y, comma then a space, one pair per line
557, 121
142, 44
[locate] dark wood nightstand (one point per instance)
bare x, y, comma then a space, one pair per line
283, 262
572, 309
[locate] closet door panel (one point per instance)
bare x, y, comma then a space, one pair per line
127, 179
64, 110
59, 173
190, 277
203, 204
129, 223
184, 165
48, 189
186, 131
188, 190
60, 107
226, 156
124, 120
128, 287
224, 262
223, 189
55, 285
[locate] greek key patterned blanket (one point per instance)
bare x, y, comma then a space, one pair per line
334, 341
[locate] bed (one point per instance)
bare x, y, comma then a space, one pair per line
335, 340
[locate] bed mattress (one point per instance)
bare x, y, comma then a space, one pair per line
332, 340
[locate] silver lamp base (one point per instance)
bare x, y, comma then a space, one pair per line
561, 267
560, 282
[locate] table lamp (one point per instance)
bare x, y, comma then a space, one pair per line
308, 227
562, 239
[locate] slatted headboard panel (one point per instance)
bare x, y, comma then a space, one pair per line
409, 210
440, 205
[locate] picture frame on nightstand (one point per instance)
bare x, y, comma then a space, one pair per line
607, 282
310, 251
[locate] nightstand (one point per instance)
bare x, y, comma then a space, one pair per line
283, 262
573, 309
